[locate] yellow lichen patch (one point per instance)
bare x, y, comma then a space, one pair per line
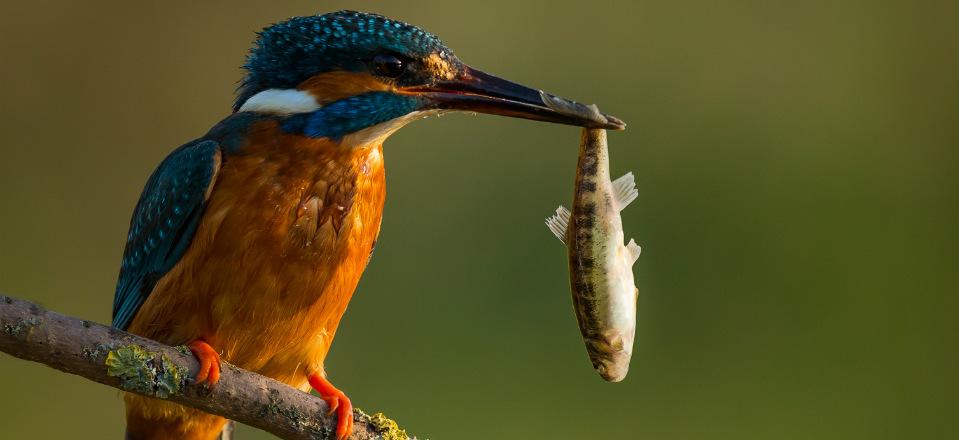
144, 372
387, 428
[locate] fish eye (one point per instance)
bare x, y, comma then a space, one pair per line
389, 65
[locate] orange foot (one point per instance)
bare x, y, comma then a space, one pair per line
209, 362
337, 402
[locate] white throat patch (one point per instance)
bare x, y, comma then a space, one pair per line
375, 135
281, 102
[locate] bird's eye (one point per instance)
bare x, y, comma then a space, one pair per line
388, 65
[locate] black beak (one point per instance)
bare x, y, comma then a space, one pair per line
476, 91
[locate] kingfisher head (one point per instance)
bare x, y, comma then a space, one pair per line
336, 74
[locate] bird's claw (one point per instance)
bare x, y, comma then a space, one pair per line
333, 402
338, 403
209, 362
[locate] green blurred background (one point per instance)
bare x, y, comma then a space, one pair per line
798, 209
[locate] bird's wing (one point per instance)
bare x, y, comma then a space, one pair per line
163, 223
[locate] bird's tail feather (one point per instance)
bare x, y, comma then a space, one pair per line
227, 433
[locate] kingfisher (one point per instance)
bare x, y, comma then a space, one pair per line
247, 243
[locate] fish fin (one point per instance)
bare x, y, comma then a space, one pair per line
634, 249
559, 223
624, 189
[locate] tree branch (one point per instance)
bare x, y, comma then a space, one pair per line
139, 365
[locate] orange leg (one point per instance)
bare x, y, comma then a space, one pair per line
209, 362
337, 402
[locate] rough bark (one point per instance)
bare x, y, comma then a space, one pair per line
135, 364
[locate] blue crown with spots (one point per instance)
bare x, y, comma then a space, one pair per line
289, 52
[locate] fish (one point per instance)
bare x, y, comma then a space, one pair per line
600, 264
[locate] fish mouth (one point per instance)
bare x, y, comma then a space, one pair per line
612, 369
478, 91
610, 357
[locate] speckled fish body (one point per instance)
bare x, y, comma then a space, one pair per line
600, 264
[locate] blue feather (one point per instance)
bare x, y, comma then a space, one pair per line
287, 53
163, 224
352, 114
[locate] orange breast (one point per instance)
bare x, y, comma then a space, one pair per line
286, 234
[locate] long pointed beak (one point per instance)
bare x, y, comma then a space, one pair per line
473, 90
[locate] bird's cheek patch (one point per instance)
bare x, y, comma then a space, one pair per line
334, 86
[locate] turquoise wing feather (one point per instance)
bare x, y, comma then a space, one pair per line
163, 223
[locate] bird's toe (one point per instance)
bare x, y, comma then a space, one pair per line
338, 403
209, 359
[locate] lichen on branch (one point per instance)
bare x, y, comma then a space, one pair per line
143, 372
139, 365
